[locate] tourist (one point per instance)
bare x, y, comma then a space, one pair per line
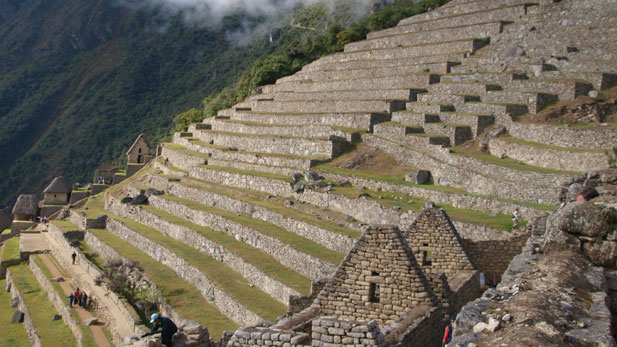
166, 161
74, 256
447, 335
515, 217
71, 297
77, 296
84, 300
586, 194
89, 303
168, 328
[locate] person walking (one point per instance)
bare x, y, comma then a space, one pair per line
74, 256
84, 300
71, 297
515, 216
167, 326
447, 335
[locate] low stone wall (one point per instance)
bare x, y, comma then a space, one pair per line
303, 263
257, 336
252, 167
181, 159
563, 136
35, 340
77, 196
263, 184
223, 301
19, 225
425, 330
349, 120
328, 331
261, 280
493, 256
57, 301
464, 289
47, 211
334, 241
549, 158
265, 160
312, 130
4, 265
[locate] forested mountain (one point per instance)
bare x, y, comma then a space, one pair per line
80, 79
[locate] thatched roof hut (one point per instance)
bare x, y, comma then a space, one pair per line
26, 204
5, 221
58, 185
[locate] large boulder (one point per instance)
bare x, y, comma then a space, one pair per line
418, 177
580, 218
602, 253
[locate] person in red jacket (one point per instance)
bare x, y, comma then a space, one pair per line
447, 335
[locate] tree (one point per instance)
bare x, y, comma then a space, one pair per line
184, 119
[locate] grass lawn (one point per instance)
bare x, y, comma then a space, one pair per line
181, 295
251, 255
52, 333
65, 225
293, 240
88, 338
405, 202
10, 250
11, 334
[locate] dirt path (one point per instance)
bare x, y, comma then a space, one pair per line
119, 322
97, 330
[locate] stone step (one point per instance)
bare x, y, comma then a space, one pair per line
464, 8
333, 106
410, 135
504, 13
476, 122
369, 69
565, 89
195, 144
181, 157
433, 98
436, 63
302, 146
535, 101
347, 82
456, 133
457, 46
495, 109
254, 128
488, 29
297, 163
291, 250
409, 117
267, 183
423, 107
377, 94
278, 170
501, 77
463, 88
361, 120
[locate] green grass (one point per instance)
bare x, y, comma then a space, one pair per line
10, 250
52, 333
248, 172
181, 148
181, 295
11, 334
409, 203
510, 163
279, 208
399, 180
251, 255
65, 225
293, 240
88, 338
221, 275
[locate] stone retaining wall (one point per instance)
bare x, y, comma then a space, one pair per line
261, 280
303, 263
549, 158
563, 136
334, 241
223, 301
328, 331
181, 159
265, 160
312, 130
35, 340
257, 336
342, 80
422, 331
263, 184
277, 170
464, 291
364, 120
57, 301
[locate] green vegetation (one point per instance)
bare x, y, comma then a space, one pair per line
65, 225
184, 119
10, 249
87, 337
225, 278
11, 334
52, 332
181, 295
249, 254
293, 240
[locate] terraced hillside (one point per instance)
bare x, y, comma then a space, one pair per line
253, 206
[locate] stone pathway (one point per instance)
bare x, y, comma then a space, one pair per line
97, 330
33, 243
121, 326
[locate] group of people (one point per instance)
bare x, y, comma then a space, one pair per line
80, 299
100, 180
43, 220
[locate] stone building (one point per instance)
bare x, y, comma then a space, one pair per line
138, 155
57, 192
105, 173
25, 211
5, 221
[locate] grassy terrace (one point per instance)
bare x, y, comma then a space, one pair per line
88, 338
65, 225
509, 163
181, 148
52, 333
407, 203
247, 172
11, 334
293, 240
181, 295
199, 142
398, 179
276, 207
543, 146
225, 278
10, 250
249, 254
